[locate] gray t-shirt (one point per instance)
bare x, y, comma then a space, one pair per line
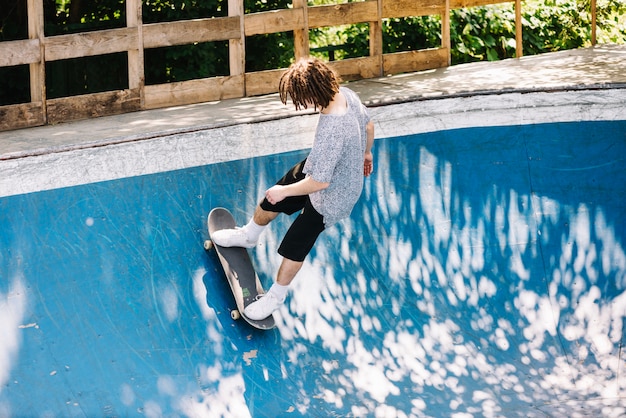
337, 158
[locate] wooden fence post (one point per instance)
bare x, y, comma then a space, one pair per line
593, 22
376, 38
445, 31
519, 48
299, 18
301, 36
37, 69
136, 76
236, 47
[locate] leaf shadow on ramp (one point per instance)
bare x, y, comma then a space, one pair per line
482, 272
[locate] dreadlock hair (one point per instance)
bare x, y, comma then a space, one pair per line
309, 81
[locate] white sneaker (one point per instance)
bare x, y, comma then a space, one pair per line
264, 306
232, 238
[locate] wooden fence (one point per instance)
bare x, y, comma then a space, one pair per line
234, 28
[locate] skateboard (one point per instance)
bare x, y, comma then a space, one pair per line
243, 280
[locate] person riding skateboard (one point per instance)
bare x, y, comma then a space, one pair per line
324, 187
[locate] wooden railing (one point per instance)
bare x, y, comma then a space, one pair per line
234, 28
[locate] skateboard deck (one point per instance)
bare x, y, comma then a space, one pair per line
243, 280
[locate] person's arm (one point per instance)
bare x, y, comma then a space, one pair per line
368, 159
303, 187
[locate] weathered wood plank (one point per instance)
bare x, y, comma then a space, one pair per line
135, 56
376, 35
37, 70
93, 105
343, 14
236, 45
458, 4
446, 41
21, 116
90, 43
301, 36
519, 48
406, 8
157, 35
22, 52
357, 68
402, 62
194, 91
263, 82
234, 28
273, 22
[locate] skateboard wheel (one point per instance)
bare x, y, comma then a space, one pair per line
235, 314
208, 245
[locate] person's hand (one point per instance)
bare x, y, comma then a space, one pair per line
368, 164
275, 194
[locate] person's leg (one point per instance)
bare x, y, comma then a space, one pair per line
248, 235
294, 248
287, 271
277, 294
263, 217
251, 232
265, 212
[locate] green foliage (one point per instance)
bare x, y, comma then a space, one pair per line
65, 16
347, 41
255, 6
553, 27
184, 62
170, 10
86, 75
13, 20
488, 32
357, 40
14, 81
611, 20
408, 34
269, 51
482, 33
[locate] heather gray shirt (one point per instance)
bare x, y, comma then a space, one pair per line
337, 158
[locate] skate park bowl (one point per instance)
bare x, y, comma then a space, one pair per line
482, 272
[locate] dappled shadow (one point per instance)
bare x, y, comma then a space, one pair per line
482, 273
564, 70
473, 278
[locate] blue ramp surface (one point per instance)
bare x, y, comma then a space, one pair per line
482, 273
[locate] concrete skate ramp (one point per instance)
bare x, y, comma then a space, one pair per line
482, 273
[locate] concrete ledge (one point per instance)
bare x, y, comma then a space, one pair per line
239, 141
599, 68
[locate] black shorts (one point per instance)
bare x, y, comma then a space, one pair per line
305, 229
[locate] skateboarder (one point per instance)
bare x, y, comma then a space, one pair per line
324, 187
